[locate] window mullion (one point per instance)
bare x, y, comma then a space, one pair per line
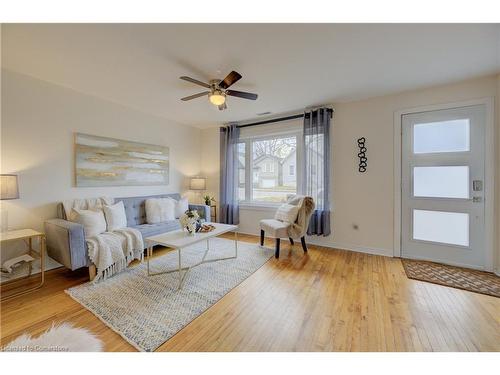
248, 170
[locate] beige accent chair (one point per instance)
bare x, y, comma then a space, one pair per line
278, 229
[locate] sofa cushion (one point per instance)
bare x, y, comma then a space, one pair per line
181, 206
135, 207
82, 204
115, 216
93, 221
159, 210
275, 228
148, 230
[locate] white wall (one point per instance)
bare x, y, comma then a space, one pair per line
38, 122
497, 147
367, 200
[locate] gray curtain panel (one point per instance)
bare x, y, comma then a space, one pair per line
229, 208
316, 168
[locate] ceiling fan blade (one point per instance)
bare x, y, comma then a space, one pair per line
195, 81
230, 79
242, 94
222, 107
195, 96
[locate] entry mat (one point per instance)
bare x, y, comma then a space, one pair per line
455, 277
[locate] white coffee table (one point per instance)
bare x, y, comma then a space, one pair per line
179, 239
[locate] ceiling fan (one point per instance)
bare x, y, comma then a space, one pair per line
218, 90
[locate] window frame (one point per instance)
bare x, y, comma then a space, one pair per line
248, 202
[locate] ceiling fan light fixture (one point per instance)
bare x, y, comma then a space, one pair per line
217, 97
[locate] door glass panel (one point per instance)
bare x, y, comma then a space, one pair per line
441, 182
439, 226
442, 136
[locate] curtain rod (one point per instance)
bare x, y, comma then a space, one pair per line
279, 119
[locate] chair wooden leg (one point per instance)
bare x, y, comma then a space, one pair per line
303, 241
291, 240
261, 237
277, 252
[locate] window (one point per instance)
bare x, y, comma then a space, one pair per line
268, 165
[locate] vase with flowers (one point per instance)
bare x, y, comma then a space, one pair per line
190, 221
208, 199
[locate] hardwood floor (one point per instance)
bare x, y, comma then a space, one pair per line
326, 300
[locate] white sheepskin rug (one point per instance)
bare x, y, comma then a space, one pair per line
61, 338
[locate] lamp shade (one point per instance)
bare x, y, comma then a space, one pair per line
9, 188
198, 183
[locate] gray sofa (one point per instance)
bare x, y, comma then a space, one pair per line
66, 240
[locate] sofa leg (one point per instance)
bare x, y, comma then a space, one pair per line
277, 252
92, 272
261, 237
304, 246
291, 240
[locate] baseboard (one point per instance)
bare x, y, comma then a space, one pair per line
343, 246
356, 248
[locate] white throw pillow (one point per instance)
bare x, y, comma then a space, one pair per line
287, 213
115, 216
181, 206
159, 210
93, 221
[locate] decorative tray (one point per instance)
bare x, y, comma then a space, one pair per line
205, 228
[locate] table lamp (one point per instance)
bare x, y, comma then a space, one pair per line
9, 189
198, 184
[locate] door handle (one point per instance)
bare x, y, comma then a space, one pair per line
477, 185
477, 199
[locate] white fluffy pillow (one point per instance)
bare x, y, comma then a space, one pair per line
181, 206
159, 210
115, 216
287, 213
92, 220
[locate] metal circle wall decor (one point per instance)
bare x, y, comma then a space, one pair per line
363, 161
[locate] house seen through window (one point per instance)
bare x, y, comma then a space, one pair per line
267, 169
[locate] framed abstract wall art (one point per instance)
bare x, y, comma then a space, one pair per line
101, 161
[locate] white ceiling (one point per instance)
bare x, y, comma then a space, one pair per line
290, 66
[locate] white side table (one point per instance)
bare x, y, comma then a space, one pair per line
26, 235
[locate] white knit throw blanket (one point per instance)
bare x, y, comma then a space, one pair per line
112, 252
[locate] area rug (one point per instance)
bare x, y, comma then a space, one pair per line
148, 310
455, 277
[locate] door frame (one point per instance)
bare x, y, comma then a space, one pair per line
489, 171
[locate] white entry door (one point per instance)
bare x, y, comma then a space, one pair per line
443, 186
